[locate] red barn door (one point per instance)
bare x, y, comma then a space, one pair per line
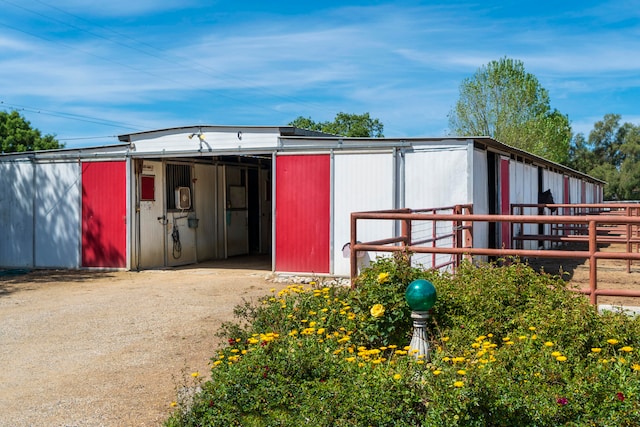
104, 228
302, 213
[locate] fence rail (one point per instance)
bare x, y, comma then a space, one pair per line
596, 227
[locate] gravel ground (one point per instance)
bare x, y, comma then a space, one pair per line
111, 348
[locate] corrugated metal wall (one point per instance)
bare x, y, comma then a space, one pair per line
104, 227
16, 214
302, 240
436, 177
480, 198
524, 186
505, 201
362, 182
57, 222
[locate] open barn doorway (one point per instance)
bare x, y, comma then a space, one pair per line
191, 211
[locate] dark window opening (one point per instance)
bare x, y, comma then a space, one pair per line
179, 177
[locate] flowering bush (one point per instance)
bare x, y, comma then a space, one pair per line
510, 347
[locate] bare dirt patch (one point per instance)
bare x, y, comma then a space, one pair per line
82, 348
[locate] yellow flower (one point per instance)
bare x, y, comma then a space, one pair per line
532, 328
462, 372
437, 372
556, 354
596, 349
627, 349
458, 384
383, 277
561, 358
195, 374
397, 376
612, 341
173, 404
475, 345
377, 310
445, 339
635, 367
548, 344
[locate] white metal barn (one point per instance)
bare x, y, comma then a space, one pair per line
186, 195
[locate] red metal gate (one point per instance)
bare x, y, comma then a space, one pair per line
104, 229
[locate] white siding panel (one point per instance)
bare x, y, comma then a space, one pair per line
434, 179
16, 214
238, 139
555, 182
362, 182
530, 196
574, 190
480, 198
58, 215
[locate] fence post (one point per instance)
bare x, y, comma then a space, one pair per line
353, 256
406, 232
593, 268
457, 224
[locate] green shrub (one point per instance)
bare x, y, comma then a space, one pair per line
510, 347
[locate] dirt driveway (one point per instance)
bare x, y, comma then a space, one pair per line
110, 348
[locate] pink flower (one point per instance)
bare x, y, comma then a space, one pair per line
562, 401
620, 396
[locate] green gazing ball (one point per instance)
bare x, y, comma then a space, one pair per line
420, 295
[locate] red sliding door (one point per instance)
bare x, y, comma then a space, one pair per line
303, 188
104, 228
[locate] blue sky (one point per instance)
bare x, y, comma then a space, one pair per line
87, 73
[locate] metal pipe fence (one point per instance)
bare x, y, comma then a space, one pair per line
595, 229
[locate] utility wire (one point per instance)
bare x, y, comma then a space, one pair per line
72, 116
183, 59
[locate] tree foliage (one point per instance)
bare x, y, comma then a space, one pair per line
16, 134
507, 103
611, 153
344, 124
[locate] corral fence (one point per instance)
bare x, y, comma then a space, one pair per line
445, 235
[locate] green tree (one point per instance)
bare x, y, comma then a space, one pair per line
344, 124
611, 153
581, 156
16, 134
507, 103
